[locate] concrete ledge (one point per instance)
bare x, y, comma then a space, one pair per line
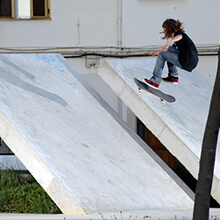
179, 126
80, 153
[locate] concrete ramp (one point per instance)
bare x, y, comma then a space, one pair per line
85, 158
179, 126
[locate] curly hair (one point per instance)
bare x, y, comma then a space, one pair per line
171, 26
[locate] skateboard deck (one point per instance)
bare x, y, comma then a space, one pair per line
161, 95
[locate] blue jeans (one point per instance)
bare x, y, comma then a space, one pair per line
171, 56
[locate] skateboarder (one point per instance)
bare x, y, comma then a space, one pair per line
179, 51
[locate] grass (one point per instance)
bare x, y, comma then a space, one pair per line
20, 193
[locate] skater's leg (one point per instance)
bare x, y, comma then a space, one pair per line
172, 70
172, 58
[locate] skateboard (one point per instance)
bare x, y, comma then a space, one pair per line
161, 95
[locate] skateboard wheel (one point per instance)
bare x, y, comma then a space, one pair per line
139, 89
162, 101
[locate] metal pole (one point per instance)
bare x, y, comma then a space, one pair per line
120, 45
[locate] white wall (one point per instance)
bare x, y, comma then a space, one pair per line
142, 20
94, 23
73, 23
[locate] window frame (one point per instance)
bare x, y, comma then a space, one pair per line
46, 16
46, 10
12, 9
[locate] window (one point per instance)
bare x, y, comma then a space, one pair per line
5, 8
40, 9
24, 9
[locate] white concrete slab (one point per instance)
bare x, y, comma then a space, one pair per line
83, 156
179, 126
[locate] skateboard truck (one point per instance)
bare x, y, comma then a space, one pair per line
162, 101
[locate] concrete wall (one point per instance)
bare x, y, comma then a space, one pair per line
95, 23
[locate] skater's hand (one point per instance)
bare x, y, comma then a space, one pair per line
154, 53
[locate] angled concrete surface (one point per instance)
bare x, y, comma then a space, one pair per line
85, 158
179, 126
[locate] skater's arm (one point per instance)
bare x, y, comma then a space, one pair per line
175, 39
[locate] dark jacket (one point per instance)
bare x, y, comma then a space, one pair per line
188, 55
